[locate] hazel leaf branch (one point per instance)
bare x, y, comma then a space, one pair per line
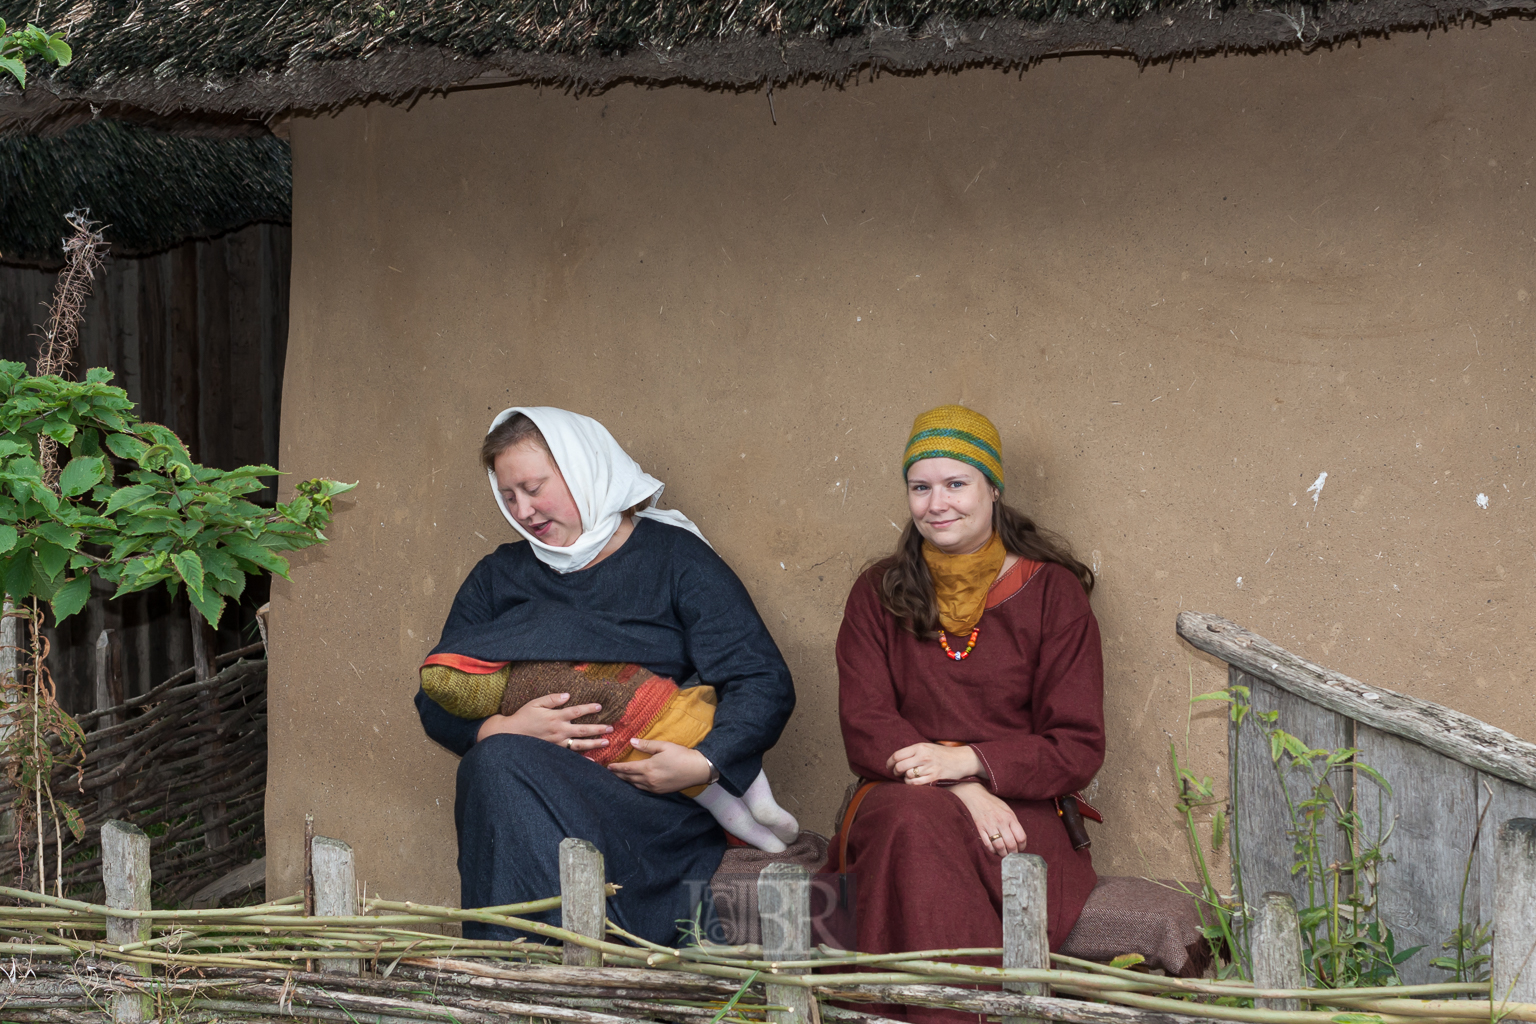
18, 45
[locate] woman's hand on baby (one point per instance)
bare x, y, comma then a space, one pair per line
671, 767
543, 718
923, 764
995, 821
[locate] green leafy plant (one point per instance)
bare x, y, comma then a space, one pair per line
16, 45
1345, 943
1219, 924
130, 506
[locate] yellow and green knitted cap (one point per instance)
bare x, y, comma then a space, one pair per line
955, 432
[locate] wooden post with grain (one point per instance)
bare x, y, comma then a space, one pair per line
12, 635
125, 875
1514, 913
583, 900
335, 891
1277, 950
109, 694
204, 642
1025, 939
784, 908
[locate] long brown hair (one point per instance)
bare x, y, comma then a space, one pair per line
906, 588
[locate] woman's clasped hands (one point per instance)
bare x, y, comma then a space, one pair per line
545, 719
923, 764
670, 768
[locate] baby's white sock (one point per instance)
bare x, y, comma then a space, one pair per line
759, 800
732, 813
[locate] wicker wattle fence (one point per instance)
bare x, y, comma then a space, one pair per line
186, 762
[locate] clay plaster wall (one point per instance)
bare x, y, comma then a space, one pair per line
1183, 294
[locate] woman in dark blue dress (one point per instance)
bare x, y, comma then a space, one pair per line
602, 576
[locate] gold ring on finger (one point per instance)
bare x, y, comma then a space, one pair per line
995, 836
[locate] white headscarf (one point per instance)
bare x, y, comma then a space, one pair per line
603, 479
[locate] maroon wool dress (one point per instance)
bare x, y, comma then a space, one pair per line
1029, 700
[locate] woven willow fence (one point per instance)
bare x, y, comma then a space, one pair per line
186, 762
381, 964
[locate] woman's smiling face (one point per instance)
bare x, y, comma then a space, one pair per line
951, 504
536, 494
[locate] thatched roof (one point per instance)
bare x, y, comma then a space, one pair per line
151, 189
229, 65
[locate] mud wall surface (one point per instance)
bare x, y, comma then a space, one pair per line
1184, 294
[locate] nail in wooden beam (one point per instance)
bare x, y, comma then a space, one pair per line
1514, 913
125, 873
583, 899
1277, 950
1025, 939
784, 909
335, 891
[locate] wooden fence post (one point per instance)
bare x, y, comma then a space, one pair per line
1514, 913
125, 873
1277, 950
1025, 939
335, 891
204, 642
109, 693
12, 636
784, 908
583, 900
105, 698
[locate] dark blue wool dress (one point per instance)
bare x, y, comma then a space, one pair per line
663, 600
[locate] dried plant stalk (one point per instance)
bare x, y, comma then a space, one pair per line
83, 255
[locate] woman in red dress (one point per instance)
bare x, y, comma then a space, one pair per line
970, 679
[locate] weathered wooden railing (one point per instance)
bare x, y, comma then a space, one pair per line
1448, 773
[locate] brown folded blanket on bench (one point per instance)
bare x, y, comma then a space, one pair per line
1138, 915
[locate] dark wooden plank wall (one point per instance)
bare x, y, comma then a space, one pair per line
197, 336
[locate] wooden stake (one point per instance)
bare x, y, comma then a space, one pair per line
309, 865
583, 899
125, 873
1025, 939
1514, 913
12, 635
204, 650
109, 694
335, 890
1277, 950
784, 908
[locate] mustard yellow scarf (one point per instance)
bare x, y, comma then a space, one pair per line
961, 582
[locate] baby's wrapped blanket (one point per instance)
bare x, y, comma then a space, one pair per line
636, 702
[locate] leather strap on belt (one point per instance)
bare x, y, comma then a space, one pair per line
841, 864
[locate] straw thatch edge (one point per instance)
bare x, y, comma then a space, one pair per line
249, 104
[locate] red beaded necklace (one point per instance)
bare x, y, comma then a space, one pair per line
969, 646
